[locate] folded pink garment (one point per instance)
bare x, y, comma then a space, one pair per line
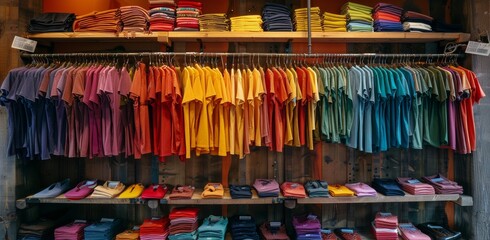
415, 187
384, 233
385, 220
361, 189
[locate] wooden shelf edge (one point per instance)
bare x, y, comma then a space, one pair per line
382, 199
333, 37
465, 201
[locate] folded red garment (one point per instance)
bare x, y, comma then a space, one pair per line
188, 212
385, 220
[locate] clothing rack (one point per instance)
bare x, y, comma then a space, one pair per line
223, 54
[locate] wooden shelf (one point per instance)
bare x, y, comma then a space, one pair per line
196, 199
333, 37
99, 37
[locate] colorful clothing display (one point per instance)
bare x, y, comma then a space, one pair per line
359, 17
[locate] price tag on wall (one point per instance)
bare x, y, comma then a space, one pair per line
24, 44
478, 48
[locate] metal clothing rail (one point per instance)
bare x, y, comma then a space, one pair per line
224, 54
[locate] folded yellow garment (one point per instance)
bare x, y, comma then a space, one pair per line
110, 189
333, 15
359, 16
331, 29
132, 191
128, 235
332, 23
356, 6
213, 190
340, 191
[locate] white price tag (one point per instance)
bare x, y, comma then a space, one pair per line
24, 44
478, 48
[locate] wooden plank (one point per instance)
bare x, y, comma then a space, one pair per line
382, 199
160, 37
226, 200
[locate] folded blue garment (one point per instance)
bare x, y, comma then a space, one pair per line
387, 187
54, 189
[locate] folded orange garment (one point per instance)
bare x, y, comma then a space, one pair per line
386, 16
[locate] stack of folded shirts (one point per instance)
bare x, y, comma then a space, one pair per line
54, 189
182, 192
128, 235
294, 190
72, 231
307, 227
443, 185
384, 233
243, 227
266, 187
110, 189
328, 234
438, 26
301, 19
106, 229
347, 234
213, 190
40, 229
103, 21
277, 17
385, 220
387, 18
387, 187
273, 231
214, 22
183, 223
359, 17
334, 22
82, 190
247, 23
154, 229
415, 187
52, 22
155, 191
133, 18
437, 231
161, 3
132, 191
409, 232
362, 189
213, 227
162, 19
188, 15
340, 191
317, 188
240, 191
416, 22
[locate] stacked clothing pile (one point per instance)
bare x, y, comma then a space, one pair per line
240, 191
52, 22
361, 189
213, 190
409, 232
266, 187
182, 192
340, 191
443, 185
128, 235
277, 17
247, 23
416, 22
385, 226
110, 189
387, 18
334, 22
103, 21
387, 187
133, 18
359, 17
183, 223
161, 3
155, 228
162, 19
415, 187
294, 190
214, 22
317, 188
307, 227
273, 231
106, 229
39, 229
213, 227
301, 19
188, 15
72, 231
243, 227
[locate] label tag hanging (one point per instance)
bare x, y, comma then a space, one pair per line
24, 44
478, 48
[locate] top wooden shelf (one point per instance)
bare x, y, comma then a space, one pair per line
332, 37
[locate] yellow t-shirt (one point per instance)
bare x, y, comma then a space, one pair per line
239, 121
258, 101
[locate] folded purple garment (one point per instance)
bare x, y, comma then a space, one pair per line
443, 185
306, 224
